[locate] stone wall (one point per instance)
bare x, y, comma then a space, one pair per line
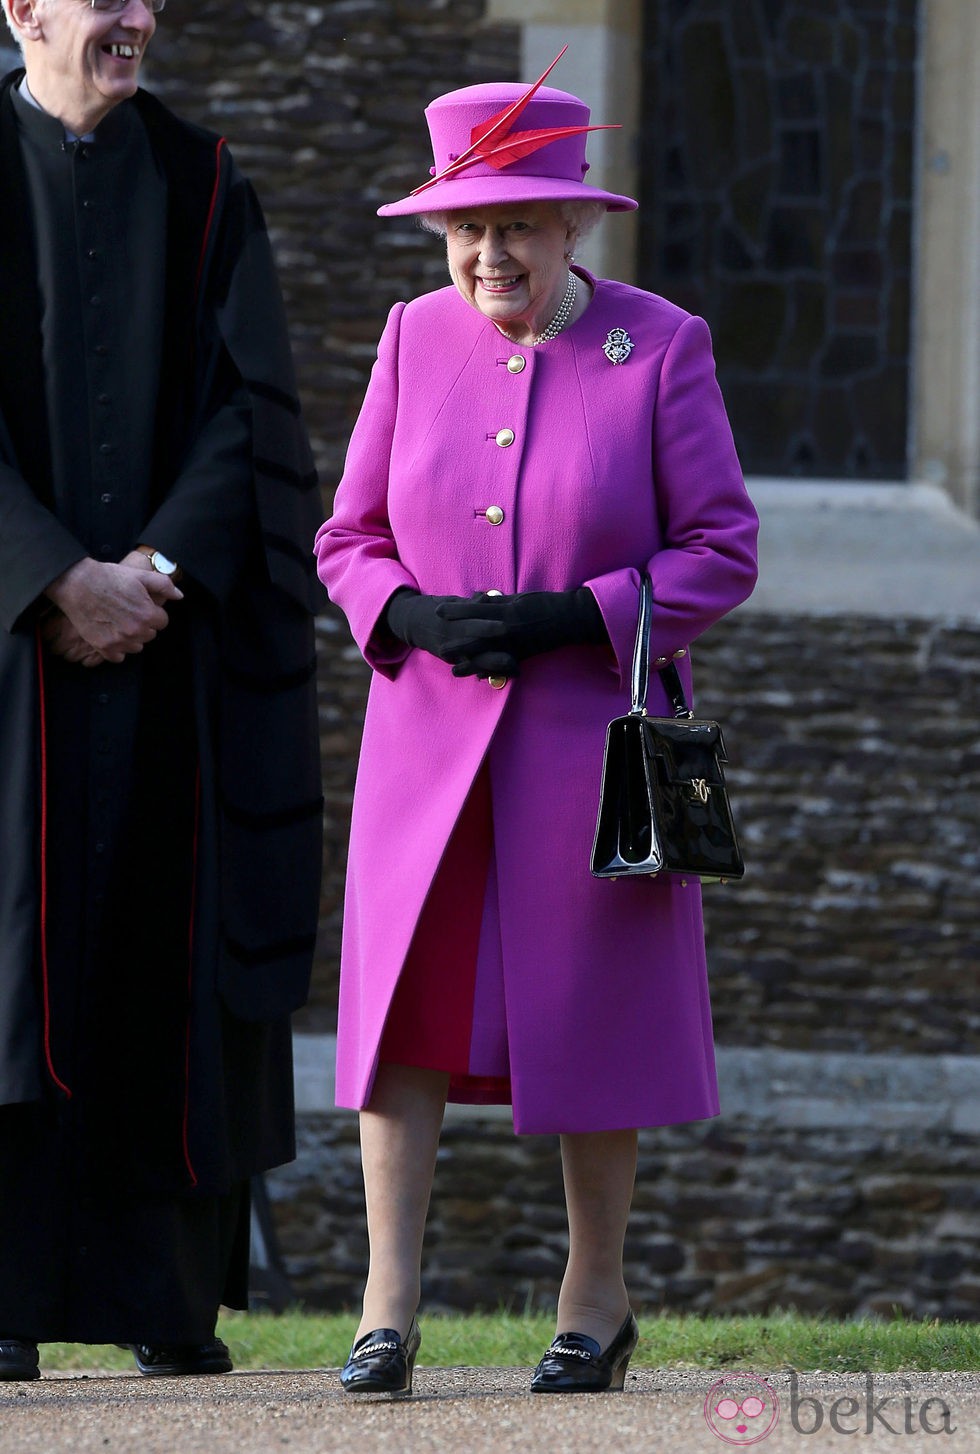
728, 1216
855, 747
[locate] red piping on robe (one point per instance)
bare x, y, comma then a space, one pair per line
49, 1061
214, 202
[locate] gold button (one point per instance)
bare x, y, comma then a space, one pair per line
682, 652
497, 682
495, 515
517, 364
505, 437
661, 661
494, 593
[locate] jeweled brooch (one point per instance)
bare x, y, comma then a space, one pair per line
618, 345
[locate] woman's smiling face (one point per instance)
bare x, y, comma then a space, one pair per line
511, 263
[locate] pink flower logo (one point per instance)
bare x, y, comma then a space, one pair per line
741, 1408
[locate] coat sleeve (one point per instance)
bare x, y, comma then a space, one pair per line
707, 563
35, 548
247, 488
251, 321
356, 555
207, 523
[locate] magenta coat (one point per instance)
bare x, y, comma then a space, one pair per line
469, 470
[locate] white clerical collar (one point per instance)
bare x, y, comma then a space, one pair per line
25, 91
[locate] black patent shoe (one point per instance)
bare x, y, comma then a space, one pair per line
381, 1363
177, 1360
18, 1360
576, 1364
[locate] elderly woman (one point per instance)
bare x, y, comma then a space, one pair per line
532, 439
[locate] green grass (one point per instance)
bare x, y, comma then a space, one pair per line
782, 1341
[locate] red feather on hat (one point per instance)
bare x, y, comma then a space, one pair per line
523, 143
494, 142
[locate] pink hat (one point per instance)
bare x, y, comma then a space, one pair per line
481, 160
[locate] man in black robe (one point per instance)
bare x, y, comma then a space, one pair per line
160, 800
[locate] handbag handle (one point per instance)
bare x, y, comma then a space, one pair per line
641, 661
641, 649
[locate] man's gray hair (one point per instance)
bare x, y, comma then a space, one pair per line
10, 24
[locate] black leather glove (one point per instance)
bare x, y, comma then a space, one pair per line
512, 628
418, 621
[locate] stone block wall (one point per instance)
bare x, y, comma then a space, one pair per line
728, 1216
855, 746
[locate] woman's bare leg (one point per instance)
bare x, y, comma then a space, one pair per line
599, 1169
399, 1138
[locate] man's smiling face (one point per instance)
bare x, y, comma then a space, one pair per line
81, 62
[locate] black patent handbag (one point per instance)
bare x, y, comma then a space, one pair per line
663, 801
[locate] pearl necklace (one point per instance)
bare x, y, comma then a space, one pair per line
564, 312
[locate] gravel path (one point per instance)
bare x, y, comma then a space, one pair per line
472, 1411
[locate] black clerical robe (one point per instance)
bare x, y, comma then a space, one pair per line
160, 818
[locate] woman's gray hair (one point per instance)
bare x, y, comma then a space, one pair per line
580, 216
